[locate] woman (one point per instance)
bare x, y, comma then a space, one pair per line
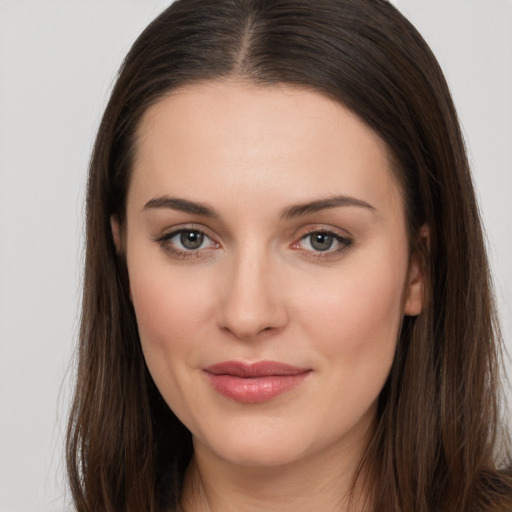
286, 296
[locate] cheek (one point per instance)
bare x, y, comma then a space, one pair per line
170, 313
170, 307
357, 314
167, 308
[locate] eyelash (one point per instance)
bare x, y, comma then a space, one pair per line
165, 242
344, 243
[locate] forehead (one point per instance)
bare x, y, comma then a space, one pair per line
262, 139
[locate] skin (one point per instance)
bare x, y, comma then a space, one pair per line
257, 289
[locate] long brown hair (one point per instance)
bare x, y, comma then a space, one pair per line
437, 445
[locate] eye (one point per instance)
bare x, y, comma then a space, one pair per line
323, 241
186, 242
190, 240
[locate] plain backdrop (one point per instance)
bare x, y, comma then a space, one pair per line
58, 59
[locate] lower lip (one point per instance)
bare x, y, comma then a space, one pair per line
253, 390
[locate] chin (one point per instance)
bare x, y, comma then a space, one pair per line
254, 445
259, 454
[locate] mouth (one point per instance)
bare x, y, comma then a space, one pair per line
254, 382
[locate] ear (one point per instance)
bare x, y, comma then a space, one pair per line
116, 232
415, 290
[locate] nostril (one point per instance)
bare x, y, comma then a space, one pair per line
249, 305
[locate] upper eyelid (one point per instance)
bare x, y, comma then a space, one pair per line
344, 244
342, 233
341, 238
172, 234
299, 234
164, 241
172, 231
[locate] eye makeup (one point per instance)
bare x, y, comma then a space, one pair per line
191, 242
186, 243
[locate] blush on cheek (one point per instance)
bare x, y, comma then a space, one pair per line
362, 312
169, 309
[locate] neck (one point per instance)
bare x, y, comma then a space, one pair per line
322, 482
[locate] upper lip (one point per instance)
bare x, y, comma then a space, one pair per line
252, 370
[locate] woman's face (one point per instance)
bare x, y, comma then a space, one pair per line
269, 268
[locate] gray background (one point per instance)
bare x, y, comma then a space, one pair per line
57, 63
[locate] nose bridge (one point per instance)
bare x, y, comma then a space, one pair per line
251, 303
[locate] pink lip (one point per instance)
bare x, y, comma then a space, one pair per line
254, 382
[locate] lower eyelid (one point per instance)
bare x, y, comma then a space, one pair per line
175, 251
344, 242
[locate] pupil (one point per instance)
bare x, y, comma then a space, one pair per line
191, 239
321, 241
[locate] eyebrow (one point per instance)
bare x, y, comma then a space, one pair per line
293, 211
324, 204
183, 205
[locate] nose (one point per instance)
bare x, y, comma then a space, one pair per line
252, 301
